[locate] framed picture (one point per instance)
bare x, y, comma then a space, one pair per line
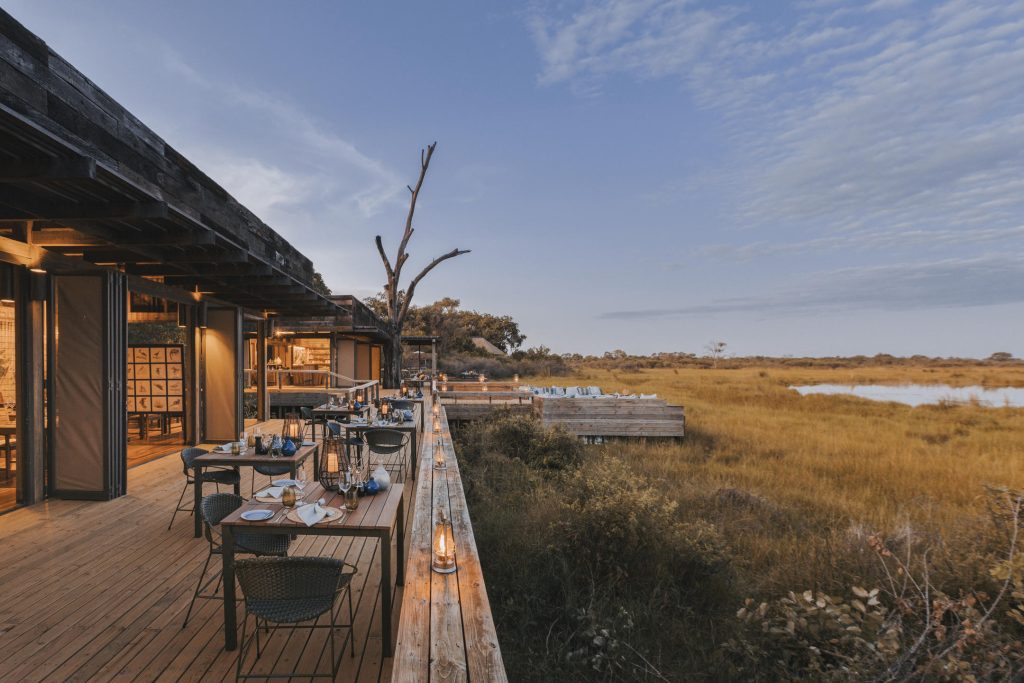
155, 379
130, 388
174, 371
141, 354
157, 354
174, 387
158, 371
131, 369
174, 354
131, 404
174, 404
142, 387
159, 404
158, 387
143, 404
142, 371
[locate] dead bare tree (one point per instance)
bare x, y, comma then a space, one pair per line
397, 299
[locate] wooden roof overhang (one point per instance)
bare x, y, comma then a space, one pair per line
82, 181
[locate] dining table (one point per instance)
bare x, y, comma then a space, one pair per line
328, 412
247, 458
408, 426
380, 517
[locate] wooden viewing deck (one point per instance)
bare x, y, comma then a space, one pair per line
97, 591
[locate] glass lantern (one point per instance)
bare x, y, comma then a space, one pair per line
292, 428
439, 461
443, 555
437, 425
334, 462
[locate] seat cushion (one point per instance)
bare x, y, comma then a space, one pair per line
221, 476
289, 611
272, 470
262, 544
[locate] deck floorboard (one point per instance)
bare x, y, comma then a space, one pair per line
97, 591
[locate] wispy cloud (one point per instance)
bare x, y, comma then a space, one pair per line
878, 123
305, 160
948, 283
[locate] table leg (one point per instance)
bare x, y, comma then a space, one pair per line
385, 592
401, 540
415, 453
227, 551
7, 448
316, 463
238, 484
197, 478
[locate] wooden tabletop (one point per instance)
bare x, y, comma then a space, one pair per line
249, 457
340, 410
407, 425
375, 513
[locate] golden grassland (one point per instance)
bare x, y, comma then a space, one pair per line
799, 481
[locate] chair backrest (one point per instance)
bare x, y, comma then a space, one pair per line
215, 507
334, 428
190, 454
306, 413
401, 404
384, 441
288, 578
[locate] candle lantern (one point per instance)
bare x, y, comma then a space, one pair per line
439, 461
444, 387
444, 545
437, 425
405, 390
482, 378
292, 427
385, 409
359, 397
437, 407
515, 378
333, 463
484, 388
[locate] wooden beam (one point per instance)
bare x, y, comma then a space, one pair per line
55, 168
40, 208
70, 237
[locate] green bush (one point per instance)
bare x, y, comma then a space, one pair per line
521, 437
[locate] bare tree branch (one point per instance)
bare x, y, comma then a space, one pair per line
416, 280
424, 164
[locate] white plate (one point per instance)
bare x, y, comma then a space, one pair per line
286, 482
308, 443
257, 515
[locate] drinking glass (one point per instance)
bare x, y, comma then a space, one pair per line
345, 482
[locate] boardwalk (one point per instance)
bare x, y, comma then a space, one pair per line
98, 591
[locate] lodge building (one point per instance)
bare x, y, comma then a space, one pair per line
142, 308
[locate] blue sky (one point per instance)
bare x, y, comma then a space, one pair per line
811, 177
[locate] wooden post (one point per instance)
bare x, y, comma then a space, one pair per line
433, 358
260, 361
30, 325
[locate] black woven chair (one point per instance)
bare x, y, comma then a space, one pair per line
308, 420
217, 475
214, 508
334, 428
388, 442
283, 592
401, 404
268, 471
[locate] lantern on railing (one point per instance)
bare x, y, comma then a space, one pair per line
515, 378
404, 391
443, 561
437, 425
437, 407
484, 389
334, 461
292, 427
444, 387
439, 461
482, 378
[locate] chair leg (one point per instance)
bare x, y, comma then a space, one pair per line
199, 586
177, 508
334, 659
351, 622
243, 648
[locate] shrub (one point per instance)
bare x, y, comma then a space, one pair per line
521, 437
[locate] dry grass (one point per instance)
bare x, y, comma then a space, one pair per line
796, 481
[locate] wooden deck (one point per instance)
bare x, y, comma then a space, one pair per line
446, 631
98, 591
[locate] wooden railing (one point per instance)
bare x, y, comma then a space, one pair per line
446, 631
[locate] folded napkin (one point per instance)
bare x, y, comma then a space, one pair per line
311, 514
406, 415
357, 421
272, 492
223, 448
